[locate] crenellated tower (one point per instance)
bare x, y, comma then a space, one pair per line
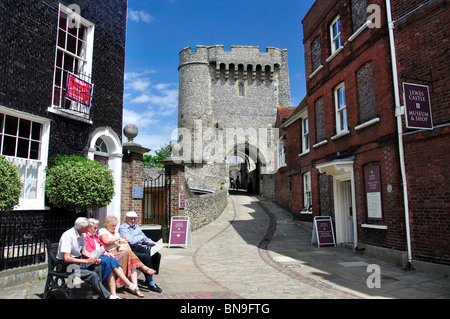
235, 89
232, 88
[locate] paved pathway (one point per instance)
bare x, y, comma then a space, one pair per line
255, 250
237, 257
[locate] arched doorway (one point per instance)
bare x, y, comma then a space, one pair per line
105, 147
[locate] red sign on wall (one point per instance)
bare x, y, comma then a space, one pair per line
79, 90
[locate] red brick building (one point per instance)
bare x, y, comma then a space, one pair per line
283, 177
422, 48
341, 144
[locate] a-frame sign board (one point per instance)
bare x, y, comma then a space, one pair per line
323, 233
180, 231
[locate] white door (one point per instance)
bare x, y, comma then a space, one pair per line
102, 212
343, 199
348, 206
344, 212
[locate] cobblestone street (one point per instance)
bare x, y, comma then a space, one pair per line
254, 250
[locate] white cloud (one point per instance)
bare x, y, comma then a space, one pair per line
143, 98
162, 97
140, 119
151, 107
133, 75
152, 141
140, 84
139, 15
152, 131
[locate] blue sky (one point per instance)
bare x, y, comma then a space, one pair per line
157, 30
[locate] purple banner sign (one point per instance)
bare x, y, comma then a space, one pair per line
178, 232
372, 179
417, 106
182, 201
324, 232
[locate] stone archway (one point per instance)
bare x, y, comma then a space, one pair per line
256, 166
228, 100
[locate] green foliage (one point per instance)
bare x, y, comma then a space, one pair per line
155, 160
78, 184
10, 185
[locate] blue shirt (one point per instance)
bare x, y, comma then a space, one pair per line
134, 235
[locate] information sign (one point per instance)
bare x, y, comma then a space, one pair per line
180, 231
138, 192
417, 106
182, 201
372, 179
323, 232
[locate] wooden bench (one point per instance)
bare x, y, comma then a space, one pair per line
59, 277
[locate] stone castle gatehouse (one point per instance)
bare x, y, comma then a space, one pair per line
227, 107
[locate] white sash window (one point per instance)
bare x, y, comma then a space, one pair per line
24, 141
74, 51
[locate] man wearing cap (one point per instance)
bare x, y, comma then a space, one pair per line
138, 242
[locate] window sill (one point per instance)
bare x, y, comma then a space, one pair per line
374, 226
357, 32
368, 123
306, 212
320, 143
34, 205
331, 57
340, 134
304, 153
316, 71
70, 115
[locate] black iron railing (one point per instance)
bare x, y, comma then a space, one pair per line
22, 242
75, 101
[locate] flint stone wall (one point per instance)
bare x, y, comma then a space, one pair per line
203, 209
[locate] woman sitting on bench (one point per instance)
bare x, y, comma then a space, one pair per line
110, 267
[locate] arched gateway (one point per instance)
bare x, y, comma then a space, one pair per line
227, 108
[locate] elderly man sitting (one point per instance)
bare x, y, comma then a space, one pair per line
72, 249
138, 242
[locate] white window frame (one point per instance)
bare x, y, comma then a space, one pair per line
307, 194
37, 203
61, 53
305, 135
281, 152
341, 109
336, 40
